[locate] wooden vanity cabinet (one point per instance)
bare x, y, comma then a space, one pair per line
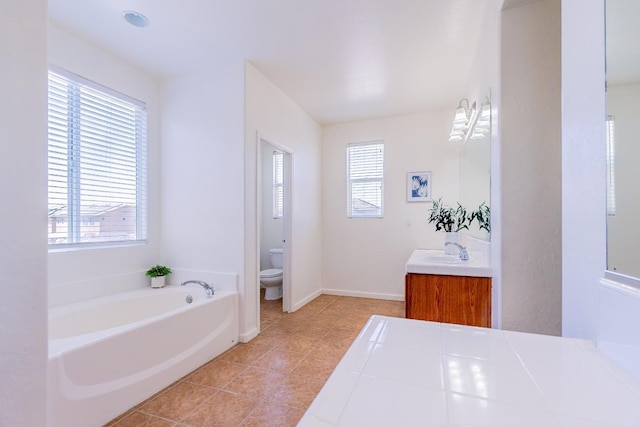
451, 299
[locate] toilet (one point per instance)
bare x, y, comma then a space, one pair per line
271, 279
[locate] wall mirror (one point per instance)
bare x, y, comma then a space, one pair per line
623, 136
475, 173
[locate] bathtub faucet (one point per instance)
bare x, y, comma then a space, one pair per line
207, 287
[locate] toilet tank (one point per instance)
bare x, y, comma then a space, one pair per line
276, 257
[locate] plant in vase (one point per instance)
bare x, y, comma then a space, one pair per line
451, 221
483, 216
157, 274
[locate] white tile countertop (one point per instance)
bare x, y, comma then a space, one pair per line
403, 372
430, 261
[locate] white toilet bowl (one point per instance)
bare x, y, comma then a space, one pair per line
271, 279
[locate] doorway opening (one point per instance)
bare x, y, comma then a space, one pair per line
274, 167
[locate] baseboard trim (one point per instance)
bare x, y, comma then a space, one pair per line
306, 300
375, 295
246, 337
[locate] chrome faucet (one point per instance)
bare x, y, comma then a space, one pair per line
464, 255
207, 287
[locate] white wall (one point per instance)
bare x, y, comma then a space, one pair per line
278, 119
622, 229
367, 257
583, 161
271, 229
604, 310
202, 172
78, 275
531, 169
23, 189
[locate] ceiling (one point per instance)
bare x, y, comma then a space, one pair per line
340, 60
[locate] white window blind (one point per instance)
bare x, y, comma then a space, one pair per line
278, 187
611, 167
97, 164
365, 174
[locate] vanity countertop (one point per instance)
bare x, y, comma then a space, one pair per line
431, 261
403, 372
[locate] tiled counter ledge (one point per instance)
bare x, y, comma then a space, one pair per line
402, 372
424, 261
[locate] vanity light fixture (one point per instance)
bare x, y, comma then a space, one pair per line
483, 122
135, 18
460, 122
471, 122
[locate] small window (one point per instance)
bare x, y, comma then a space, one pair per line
97, 164
365, 175
611, 167
278, 185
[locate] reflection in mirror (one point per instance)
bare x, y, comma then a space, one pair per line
623, 130
475, 173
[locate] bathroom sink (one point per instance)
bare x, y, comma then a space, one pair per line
443, 259
436, 261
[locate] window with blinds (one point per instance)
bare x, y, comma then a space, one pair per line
97, 164
611, 167
365, 175
278, 185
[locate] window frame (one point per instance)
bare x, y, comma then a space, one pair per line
74, 221
278, 184
611, 165
351, 180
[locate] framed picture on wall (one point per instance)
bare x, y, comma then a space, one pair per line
419, 186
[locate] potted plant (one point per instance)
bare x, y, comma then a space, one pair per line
157, 274
483, 216
451, 221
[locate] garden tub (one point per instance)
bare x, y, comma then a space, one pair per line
108, 354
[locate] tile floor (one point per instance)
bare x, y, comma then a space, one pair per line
270, 381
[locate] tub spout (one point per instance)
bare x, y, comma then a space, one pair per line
207, 287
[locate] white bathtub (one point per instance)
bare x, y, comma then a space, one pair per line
108, 354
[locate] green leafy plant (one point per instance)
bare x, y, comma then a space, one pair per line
158, 270
447, 218
483, 216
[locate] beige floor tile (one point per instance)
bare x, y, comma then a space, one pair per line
352, 322
279, 360
330, 350
310, 310
315, 367
271, 340
149, 399
296, 391
246, 354
344, 337
273, 415
272, 330
299, 343
221, 410
286, 325
314, 330
177, 402
255, 383
328, 319
325, 298
137, 419
216, 373
301, 316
